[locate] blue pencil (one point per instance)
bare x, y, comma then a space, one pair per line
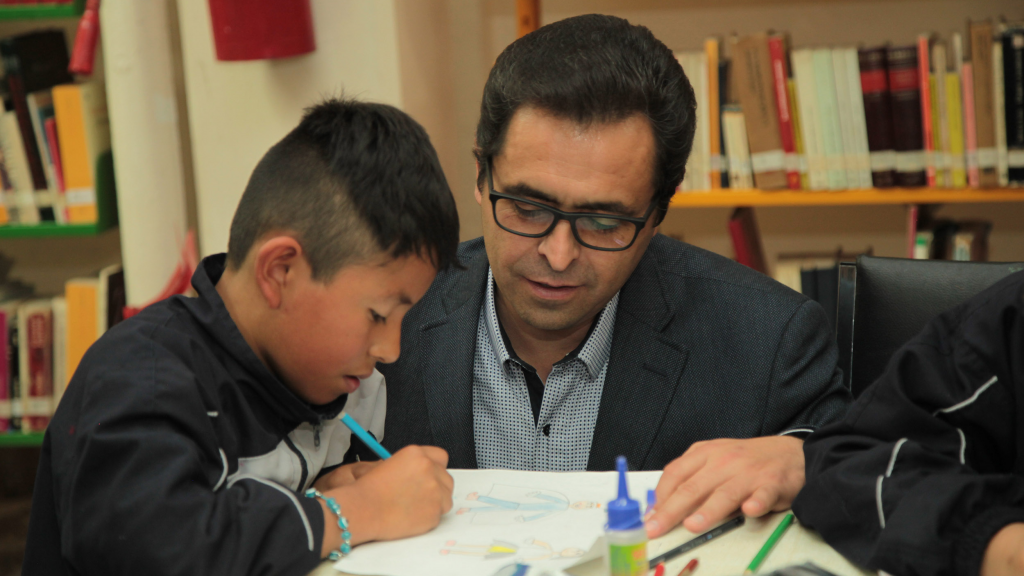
365, 437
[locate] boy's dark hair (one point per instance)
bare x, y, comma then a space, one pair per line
594, 69
353, 179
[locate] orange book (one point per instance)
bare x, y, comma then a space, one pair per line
83, 134
81, 295
715, 152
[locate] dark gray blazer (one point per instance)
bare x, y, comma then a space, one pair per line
703, 348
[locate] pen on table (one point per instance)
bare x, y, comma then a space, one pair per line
660, 570
705, 537
689, 568
772, 540
365, 436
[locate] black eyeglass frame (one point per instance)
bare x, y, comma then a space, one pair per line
570, 217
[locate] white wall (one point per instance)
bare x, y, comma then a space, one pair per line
237, 110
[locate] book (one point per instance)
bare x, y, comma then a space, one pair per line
17, 96
754, 87
723, 100
844, 101
1013, 77
798, 137
908, 133
50, 127
984, 103
807, 101
954, 119
35, 346
40, 109
784, 106
698, 168
60, 348
923, 245
737, 149
940, 116
16, 178
970, 126
110, 298
714, 114
862, 154
999, 115
828, 114
82, 296
969, 241
84, 135
746, 239
925, 79
8, 361
874, 83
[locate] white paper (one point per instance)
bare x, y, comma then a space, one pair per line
547, 520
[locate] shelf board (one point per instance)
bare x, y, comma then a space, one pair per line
16, 439
731, 198
50, 230
41, 10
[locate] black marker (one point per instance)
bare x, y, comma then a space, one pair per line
705, 537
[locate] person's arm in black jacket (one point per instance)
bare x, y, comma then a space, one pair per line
927, 466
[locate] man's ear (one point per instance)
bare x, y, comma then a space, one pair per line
476, 189
275, 267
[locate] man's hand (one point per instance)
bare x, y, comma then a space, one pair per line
344, 475
402, 496
1005, 553
715, 478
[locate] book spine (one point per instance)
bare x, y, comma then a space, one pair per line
984, 102
862, 159
908, 134
752, 78
845, 110
60, 344
954, 113
14, 371
970, 131
874, 83
12, 67
58, 171
828, 111
37, 370
940, 117
723, 101
936, 155
714, 126
780, 77
5, 375
798, 136
999, 114
71, 109
803, 65
17, 179
924, 77
1013, 76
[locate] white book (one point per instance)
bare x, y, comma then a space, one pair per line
828, 113
741, 175
40, 107
943, 162
999, 111
60, 351
845, 107
810, 124
862, 159
698, 166
17, 179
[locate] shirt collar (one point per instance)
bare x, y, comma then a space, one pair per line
594, 351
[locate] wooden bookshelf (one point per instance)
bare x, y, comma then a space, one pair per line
872, 196
42, 10
17, 439
49, 230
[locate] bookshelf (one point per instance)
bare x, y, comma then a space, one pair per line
870, 196
20, 440
42, 10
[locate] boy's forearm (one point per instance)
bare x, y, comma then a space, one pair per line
360, 516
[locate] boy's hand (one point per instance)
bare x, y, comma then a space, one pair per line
713, 479
344, 475
1005, 553
402, 496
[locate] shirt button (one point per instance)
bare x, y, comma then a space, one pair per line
547, 429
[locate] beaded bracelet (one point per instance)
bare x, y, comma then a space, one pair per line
346, 536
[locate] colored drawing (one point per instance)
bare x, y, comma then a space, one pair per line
530, 550
509, 504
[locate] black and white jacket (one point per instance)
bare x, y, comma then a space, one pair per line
929, 462
175, 450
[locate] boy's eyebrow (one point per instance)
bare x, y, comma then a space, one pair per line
525, 191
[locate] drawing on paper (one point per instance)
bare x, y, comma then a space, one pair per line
531, 550
508, 504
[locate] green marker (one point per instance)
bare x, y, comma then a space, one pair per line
772, 541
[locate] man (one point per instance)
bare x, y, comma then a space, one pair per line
576, 334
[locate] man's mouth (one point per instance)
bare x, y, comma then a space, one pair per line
551, 291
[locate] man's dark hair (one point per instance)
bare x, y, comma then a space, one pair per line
352, 180
594, 69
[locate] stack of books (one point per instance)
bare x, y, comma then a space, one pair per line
53, 134
42, 341
940, 113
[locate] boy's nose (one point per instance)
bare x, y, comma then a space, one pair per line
388, 346
560, 247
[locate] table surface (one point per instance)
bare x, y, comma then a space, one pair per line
727, 555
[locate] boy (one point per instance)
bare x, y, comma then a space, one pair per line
189, 432
925, 475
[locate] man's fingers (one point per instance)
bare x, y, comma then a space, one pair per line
725, 500
761, 501
670, 511
677, 472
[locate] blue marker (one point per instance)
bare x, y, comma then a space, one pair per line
365, 437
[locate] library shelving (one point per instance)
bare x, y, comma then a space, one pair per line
42, 10
16, 440
870, 196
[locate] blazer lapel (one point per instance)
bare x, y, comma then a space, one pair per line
448, 343
644, 370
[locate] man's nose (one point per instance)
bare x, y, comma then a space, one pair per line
560, 247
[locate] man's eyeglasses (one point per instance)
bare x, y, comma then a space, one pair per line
606, 232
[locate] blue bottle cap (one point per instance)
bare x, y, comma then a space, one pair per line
623, 512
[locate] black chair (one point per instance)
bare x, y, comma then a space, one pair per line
884, 302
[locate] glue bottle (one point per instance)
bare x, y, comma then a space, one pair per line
625, 533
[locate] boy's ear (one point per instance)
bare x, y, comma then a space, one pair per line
275, 267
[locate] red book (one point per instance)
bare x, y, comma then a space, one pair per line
35, 332
746, 239
924, 76
780, 73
